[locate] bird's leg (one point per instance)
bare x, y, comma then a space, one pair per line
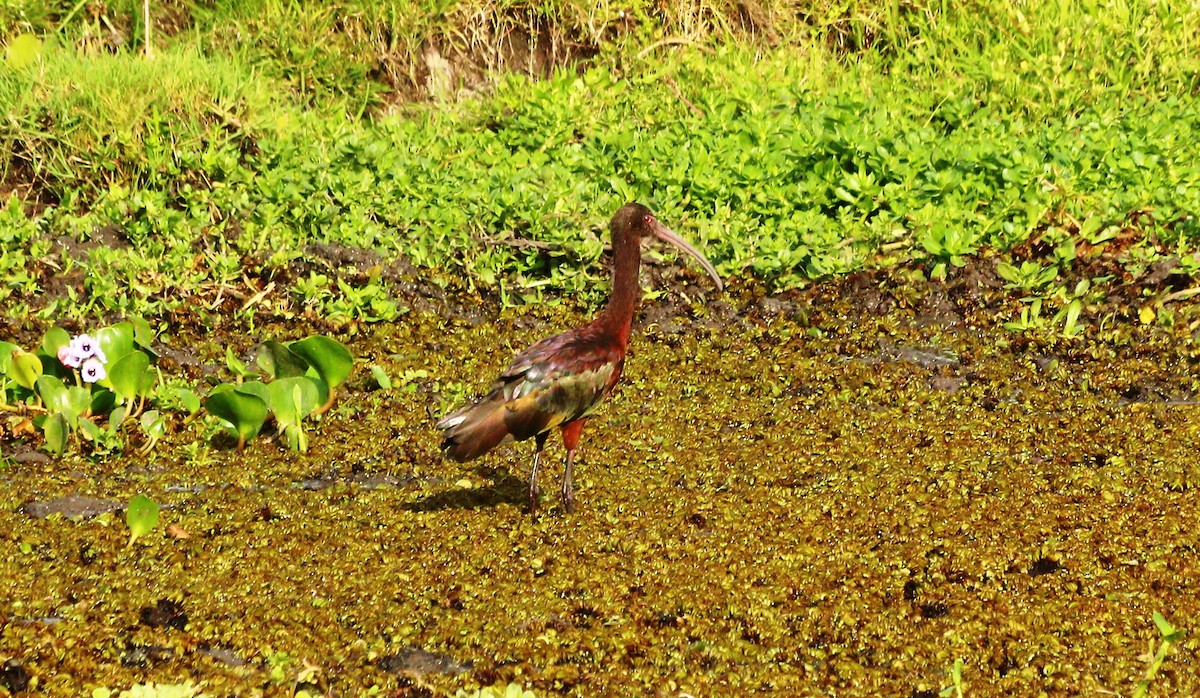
534, 491
570, 434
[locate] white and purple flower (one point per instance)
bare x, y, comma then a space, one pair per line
93, 370
84, 352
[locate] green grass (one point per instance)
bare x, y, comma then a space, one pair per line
841, 139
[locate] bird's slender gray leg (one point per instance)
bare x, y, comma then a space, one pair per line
568, 487
534, 490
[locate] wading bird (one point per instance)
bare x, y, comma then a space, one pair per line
559, 381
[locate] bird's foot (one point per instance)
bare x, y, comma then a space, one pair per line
568, 498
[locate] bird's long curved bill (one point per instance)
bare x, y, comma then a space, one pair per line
665, 234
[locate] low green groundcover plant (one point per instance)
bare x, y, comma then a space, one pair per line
87, 390
298, 380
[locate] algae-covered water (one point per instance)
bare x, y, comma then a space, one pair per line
840, 492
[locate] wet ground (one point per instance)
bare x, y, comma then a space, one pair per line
835, 492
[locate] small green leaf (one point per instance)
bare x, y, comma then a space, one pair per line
142, 334
23, 50
240, 413
330, 358
128, 375
55, 430
115, 341
381, 377
188, 399
26, 369
55, 338
141, 515
153, 425
278, 361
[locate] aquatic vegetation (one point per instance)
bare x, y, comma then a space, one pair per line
141, 515
303, 377
70, 383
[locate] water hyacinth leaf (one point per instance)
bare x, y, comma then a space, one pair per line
116, 341
293, 399
79, 400
116, 417
240, 414
141, 515
143, 336
55, 338
55, 430
7, 350
330, 358
53, 393
153, 425
26, 369
127, 375
89, 429
188, 399
278, 361
255, 388
103, 401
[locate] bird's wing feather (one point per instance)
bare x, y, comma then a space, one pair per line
558, 380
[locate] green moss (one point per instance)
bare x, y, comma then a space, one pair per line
760, 510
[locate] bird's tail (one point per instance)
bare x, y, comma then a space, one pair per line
474, 430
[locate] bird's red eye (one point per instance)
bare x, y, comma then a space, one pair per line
648, 218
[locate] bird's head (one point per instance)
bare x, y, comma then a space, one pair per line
636, 221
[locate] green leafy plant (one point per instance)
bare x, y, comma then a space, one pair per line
1169, 635
87, 385
302, 379
955, 689
141, 515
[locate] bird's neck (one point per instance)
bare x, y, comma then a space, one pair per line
617, 317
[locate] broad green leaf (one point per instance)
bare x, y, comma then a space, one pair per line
330, 358
239, 413
22, 50
79, 399
278, 361
55, 338
56, 432
188, 399
7, 350
128, 375
26, 369
255, 388
293, 399
53, 393
141, 515
115, 341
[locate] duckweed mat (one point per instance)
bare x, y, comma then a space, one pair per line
838, 492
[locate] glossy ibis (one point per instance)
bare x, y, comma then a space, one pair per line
559, 381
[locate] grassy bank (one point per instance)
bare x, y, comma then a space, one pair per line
913, 137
